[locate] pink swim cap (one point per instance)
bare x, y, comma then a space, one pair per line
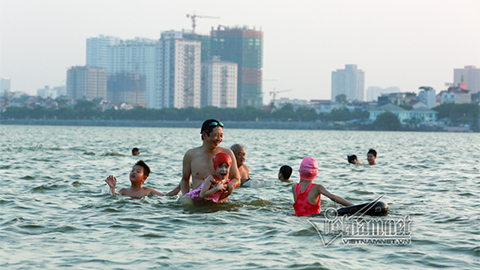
308, 169
221, 158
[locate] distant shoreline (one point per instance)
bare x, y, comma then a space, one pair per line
166, 123
197, 124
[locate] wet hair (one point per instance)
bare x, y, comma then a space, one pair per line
373, 152
209, 125
135, 151
146, 169
286, 171
351, 159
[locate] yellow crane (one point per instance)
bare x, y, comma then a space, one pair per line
194, 24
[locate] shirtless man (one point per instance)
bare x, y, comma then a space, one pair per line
198, 161
239, 152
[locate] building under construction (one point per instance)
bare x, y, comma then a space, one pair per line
244, 47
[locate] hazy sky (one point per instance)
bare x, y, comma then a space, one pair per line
405, 43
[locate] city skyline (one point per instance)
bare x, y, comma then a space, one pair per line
405, 44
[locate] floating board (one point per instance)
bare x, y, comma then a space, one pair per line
378, 208
256, 183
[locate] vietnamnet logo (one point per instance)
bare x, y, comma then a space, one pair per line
359, 229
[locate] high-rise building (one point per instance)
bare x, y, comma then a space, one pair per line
349, 81
178, 78
244, 47
97, 50
118, 56
219, 83
470, 75
135, 56
84, 82
127, 87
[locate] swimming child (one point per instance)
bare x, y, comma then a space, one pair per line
135, 152
138, 175
214, 186
371, 156
307, 195
284, 173
353, 159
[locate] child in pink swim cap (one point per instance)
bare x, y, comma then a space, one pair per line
214, 185
306, 194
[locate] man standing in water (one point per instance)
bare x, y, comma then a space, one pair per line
198, 161
239, 152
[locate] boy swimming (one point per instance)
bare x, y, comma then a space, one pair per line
306, 194
138, 175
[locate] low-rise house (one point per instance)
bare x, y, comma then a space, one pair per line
455, 95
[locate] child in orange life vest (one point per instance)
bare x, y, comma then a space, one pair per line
214, 186
307, 195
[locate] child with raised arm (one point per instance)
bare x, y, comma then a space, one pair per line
138, 175
214, 186
307, 195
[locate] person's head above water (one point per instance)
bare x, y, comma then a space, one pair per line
308, 169
209, 125
285, 172
352, 159
221, 164
221, 158
135, 152
239, 152
371, 156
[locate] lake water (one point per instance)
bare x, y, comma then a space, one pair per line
55, 210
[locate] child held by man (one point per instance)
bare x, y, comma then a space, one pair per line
307, 195
214, 186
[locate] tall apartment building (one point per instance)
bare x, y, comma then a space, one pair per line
97, 50
219, 84
244, 47
349, 81
135, 56
118, 56
178, 78
470, 75
84, 82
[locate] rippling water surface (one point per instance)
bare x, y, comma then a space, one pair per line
55, 210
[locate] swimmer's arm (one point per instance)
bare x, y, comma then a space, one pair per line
111, 182
208, 189
334, 197
155, 192
234, 174
186, 172
175, 191
247, 170
294, 192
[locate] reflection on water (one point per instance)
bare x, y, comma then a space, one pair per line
56, 210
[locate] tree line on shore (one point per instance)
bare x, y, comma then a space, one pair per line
456, 114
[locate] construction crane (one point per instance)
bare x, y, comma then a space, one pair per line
194, 24
274, 93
